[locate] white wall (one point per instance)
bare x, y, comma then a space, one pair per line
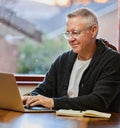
109, 28
25, 89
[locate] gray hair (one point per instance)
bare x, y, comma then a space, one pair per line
89, 18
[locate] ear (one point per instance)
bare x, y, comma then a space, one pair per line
94, 30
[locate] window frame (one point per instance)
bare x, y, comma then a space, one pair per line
28, 79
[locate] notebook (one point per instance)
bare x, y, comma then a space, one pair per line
88, 113
10, 96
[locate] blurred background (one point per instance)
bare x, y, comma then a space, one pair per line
31, 31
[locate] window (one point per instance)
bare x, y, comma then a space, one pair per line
30, 32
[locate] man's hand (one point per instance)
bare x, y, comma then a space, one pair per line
38, 100
25, 98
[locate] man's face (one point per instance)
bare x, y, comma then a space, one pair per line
80, 36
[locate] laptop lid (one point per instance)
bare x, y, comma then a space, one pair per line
9, 94
10, 97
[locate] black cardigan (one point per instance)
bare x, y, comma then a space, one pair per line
99, 88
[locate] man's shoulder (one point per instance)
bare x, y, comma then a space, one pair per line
112, 57
66, 57
106, 50
68, 54
113, 53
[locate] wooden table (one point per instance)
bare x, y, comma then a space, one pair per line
11, 119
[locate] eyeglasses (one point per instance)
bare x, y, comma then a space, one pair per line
74, 34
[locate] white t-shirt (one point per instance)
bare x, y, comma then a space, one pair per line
76, 74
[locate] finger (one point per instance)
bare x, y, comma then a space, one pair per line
24, 99
36, 103
30, 101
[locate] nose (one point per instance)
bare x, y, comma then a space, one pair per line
71, 38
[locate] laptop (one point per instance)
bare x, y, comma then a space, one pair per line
10, 96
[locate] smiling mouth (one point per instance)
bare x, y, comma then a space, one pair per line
74, 45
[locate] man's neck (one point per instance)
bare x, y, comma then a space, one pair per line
87, 54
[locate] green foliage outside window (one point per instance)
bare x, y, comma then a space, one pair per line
36, 58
